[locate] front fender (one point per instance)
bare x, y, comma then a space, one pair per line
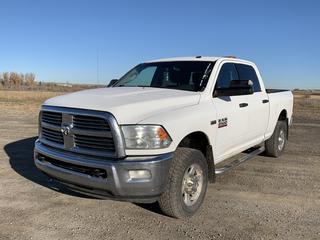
180, 123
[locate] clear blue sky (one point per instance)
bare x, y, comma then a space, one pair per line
59, 40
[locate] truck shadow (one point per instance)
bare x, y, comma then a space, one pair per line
20, 155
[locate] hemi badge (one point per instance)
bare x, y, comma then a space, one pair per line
213, 122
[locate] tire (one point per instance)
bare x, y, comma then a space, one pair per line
174, 201
276, 144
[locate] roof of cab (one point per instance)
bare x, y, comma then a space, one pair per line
197, 58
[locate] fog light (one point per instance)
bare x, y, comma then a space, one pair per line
139, 174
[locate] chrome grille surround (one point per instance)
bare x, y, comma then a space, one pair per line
101, 139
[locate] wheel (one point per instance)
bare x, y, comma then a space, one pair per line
187, 185
275, 145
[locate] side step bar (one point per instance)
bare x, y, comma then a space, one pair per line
237, 162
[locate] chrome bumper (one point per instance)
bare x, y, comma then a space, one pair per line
115, 183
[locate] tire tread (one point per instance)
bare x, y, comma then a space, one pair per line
168, 201
271, 144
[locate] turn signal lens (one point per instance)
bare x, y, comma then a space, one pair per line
163, 135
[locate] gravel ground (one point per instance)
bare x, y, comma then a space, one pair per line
265, 198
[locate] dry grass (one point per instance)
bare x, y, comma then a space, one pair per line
49, 87
306, 109
307, 106
26, 96
27, 102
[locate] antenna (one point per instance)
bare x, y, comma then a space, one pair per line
98, 80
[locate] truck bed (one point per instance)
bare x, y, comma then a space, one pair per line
270, 90
279, 100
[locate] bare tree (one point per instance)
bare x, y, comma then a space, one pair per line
6, 81
15, 80
30, 79
1, 80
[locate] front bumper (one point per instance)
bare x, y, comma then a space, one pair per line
105, 177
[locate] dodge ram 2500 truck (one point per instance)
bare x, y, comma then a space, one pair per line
157, 133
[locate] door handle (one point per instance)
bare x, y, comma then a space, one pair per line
265, 101
243, 105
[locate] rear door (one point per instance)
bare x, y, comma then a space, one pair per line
258, 104
232, 116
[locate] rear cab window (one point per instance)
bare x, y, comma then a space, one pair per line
247, 72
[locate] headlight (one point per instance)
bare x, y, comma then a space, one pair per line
145, 137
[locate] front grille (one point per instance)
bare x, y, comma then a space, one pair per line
90, 123
87, 133
52, 135
53, 118
96, 143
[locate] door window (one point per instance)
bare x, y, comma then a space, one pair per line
227, 73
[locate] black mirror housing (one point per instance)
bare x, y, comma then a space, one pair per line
236, 88
112, 82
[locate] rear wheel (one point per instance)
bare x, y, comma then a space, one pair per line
275, 145
187, 186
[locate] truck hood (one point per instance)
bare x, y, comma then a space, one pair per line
129, 105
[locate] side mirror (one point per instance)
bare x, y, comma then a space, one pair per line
236, 88
112, 82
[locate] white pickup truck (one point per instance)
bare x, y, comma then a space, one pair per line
157, 133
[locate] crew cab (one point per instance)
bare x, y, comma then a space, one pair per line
158, 133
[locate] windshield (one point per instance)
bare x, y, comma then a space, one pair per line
182, 75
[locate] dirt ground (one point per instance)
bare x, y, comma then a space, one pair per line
265, 198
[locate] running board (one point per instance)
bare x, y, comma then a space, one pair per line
237, 162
